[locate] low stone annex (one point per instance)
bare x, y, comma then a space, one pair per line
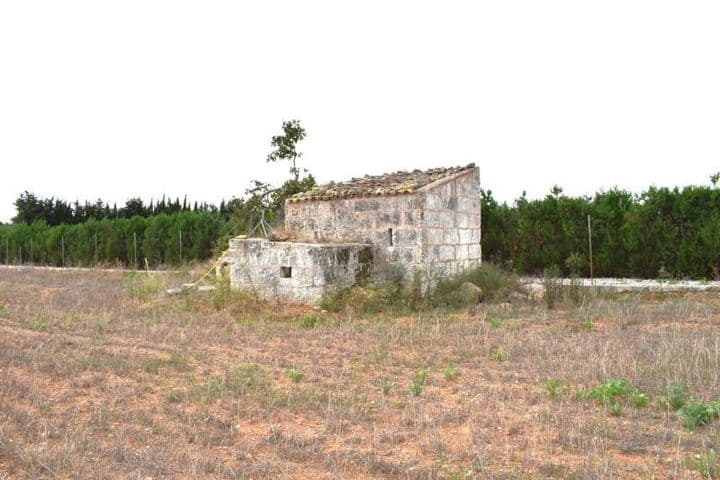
338, 233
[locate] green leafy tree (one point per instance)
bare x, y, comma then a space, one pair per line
286, 146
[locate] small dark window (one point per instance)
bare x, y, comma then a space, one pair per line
286, 272
390, 236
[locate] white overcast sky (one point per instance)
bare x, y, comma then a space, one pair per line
145, 98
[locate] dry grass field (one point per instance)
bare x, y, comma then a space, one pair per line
102, 378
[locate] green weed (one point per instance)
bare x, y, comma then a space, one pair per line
451, 372
639, 400
416, 389
422, 375
177, 360
309, 320
499, 354
615, 409
243, 320
38, 323
294, 374
385, 385
613, 394
222, 293
248, 378
675, 396
696, 413
554, 386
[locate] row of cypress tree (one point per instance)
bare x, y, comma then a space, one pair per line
661, 232
164, 239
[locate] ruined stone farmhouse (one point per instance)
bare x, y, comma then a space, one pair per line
339, 233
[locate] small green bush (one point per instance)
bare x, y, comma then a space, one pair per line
416, 389
294, 374
639, 399
613, 393
675, 396
391, 293
495, 284
387, 294
696, 413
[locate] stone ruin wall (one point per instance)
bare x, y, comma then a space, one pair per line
294, 271
366, 220
435, 229
451, 224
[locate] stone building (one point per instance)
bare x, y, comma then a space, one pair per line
422, 220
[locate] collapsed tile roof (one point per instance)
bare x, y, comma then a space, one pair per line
396, 183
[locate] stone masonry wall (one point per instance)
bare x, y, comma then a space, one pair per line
435, 229
294, 271
366, 219
451, 224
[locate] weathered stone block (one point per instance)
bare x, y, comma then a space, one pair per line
433, 236
406, 237
469, 205
447, 219
365, 205
447, 253
433, 201
461, 220
389, 218
464, 236
431, 219
450, 236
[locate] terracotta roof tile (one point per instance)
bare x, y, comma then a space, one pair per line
396, 183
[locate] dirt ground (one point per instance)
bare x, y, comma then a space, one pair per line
101, 377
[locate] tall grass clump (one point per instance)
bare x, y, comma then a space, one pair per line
552, 287
388, 292
144, 286
494, 284
391, 291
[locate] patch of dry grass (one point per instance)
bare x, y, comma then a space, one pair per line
97, 381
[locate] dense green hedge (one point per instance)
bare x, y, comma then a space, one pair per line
119, 241
674, 232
